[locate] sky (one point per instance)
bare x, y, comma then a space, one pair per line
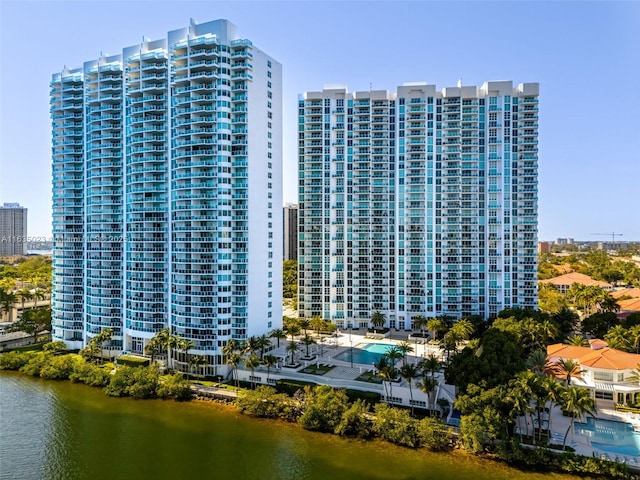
585, 55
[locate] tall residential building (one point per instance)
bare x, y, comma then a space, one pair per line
418, 202
13, 229
167, 168
290, 232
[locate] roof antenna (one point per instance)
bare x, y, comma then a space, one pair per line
459, 83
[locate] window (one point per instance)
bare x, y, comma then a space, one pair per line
603, 376
269, 74
269, 84
269, 63
268, 104
269, 115
268, 154
604, 395
269, 95
268, 124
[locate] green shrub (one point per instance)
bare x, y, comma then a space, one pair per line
145, 382
290, 387
267, 403
131, 361
119, 382
58, 368
14, 360
36, 363
396, 426
175, 386
355, 421
89, 374
434, 435
55, 347
323, 408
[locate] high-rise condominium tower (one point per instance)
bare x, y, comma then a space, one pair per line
13, 229
419, 202
167, 167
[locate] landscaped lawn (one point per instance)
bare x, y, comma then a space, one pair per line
369, 377
320, 369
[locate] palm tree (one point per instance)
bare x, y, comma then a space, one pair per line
152, 348
538, 362
577, 341
554, 391
389, 374
617, 337
7, 299
251, 345
430, 364
634, 337
304, 324
24, 294
428, 385
91, 352
38, 294
608, 303
230, 347
292, 347
378, 320
269, 361
449, 343
405, 348
317, 323
463, 329
549, 331
521, 407
409, 372
308, 340
196, 361
278, 334
529, 384
420, 321
568, 368
381, 364
577, 402
435, 325
103, 337
251, 363
185, 345
393, 354
234, 359
168, 341
263, 342
293, 329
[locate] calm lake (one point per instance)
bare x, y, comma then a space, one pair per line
58, 430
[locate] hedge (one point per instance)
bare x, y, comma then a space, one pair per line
132, 361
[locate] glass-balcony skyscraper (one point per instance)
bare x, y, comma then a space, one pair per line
419, 202
167, 193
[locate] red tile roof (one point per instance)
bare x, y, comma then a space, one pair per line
574, 277
605, 358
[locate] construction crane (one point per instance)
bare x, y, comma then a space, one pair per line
613, 236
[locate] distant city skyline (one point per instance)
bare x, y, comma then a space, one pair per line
581, 53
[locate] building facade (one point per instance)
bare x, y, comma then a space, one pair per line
418, 202
13, 229
290, 232
167, 167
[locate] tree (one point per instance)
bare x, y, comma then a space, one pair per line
420, 321
195, 362
308, 340
101, 338
538, 362
577, 341
168, 341
554, 391
550, 300
528, 384
33, 322
598, 324
278, 334
153, 348
292, 348
577, 402
7, 299
230, 347
25, 295
291, 327
634, 337
289, 278
618, 337
389, 374
317, 323
263, 342
185, 345
38, 294
405, 348
436, 326
409, 372
520, 399
393, 354
251, 345
269, 361
428, 385
566, 320
304, 324
430, 364
567, 369
234, 360
378, 320
463, 329
251, 363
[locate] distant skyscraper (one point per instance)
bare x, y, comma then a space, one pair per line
290, 225
167, 167
419, 202
13, 229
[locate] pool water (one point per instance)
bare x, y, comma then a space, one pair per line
611, 436
365, 353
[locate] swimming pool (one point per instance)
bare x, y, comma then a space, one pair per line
611, 436
365, 353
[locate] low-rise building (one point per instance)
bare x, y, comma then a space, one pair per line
608, 373
564, 282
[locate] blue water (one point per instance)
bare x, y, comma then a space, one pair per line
365, 354
611, 436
